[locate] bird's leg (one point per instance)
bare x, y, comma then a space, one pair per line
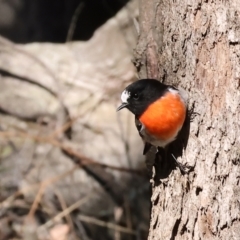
183, 168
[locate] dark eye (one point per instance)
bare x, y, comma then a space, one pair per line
135, 96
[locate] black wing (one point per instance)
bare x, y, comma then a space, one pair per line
147, 145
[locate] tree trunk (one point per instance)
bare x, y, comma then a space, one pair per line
196, 45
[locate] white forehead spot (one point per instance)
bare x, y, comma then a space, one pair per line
125, 96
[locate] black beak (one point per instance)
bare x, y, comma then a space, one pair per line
123, 105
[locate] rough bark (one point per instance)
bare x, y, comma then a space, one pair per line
195, 45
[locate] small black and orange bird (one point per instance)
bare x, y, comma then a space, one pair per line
159, 109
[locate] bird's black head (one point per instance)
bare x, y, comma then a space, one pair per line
140, 94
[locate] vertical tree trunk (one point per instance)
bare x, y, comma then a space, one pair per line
196, 45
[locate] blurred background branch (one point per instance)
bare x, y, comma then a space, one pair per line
70, 167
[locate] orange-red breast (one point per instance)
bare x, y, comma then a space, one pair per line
159, 110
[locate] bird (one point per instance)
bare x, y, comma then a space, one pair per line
160, 111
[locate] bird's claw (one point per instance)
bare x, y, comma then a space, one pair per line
184, 168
